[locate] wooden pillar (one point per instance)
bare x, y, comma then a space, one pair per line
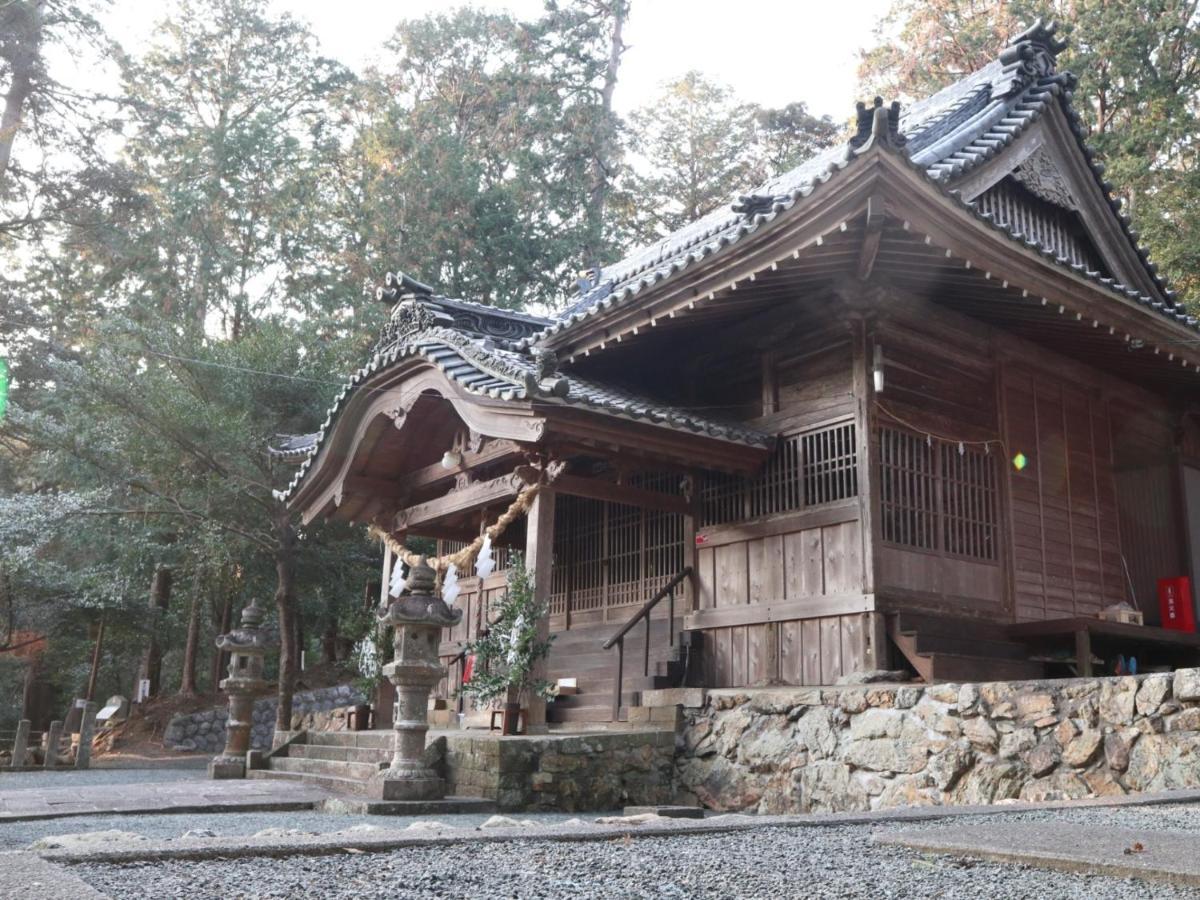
691, 551
386, 579
864, 397
539, 549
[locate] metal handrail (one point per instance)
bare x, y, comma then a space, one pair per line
643, 614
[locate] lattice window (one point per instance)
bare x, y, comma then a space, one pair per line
934, 496
611, 554
809, 469
907, 489
969, 499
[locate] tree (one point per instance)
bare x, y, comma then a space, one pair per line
699, 146
52, 133
1139, 93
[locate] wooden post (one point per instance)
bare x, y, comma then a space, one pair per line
91, 684
864, 396
539, 549
691, 553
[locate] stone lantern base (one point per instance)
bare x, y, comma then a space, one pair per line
227, 767
389, 786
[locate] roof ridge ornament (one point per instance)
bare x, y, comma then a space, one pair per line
1034, 52
878, 125
396, 286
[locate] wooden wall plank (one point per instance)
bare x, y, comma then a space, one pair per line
810, 668
766, 568
732, 577
803, 564
843, 558
831, 649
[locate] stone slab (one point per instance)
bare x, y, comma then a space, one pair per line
28, 876
444, 806
197, 795
1172, 856
670, 812
683, 696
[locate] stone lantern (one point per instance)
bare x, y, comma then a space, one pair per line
418, 617
246, 646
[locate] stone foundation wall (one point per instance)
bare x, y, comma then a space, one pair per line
325, 709
874, 746
571, 772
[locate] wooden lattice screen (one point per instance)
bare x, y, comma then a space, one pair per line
1051, 226
611, 554
938, 496
809, 468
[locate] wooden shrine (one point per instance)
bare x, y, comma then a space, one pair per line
877, 412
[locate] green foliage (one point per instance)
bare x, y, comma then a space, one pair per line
506, 654
701, 147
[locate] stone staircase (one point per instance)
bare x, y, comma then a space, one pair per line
340, 761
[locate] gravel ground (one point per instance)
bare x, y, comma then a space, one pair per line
826, 862
19, 835
19, 781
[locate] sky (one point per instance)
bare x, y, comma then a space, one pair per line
771, 52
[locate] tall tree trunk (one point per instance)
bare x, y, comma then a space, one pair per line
329, 641
219, 659
90, 693
187, 682
285, 604
23, 61
605, 143
160, 600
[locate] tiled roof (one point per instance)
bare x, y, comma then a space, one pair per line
948, 134
483, 366
495, 353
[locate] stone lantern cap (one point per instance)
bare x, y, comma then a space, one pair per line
248, 637
418, 604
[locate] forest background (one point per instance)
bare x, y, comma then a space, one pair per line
189, 247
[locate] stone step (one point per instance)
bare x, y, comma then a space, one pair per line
360, 771
338, 753
571, 714
371, 740
332, 783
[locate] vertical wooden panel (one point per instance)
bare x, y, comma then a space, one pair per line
790, 660
756, 672
843, 558
804, 564
766, 564
854, 656
810, 631
707, 579
831, 649
732, 577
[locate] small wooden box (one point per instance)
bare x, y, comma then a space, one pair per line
1123, 613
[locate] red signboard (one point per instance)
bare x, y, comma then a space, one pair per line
1175, 603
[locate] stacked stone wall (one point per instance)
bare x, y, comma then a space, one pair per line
325, 709
575, 772
874, 746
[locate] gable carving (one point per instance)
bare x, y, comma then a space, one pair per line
1041, 176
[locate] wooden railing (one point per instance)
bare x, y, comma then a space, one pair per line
643, 614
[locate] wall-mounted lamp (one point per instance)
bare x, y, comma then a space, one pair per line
451, 459
877, 369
